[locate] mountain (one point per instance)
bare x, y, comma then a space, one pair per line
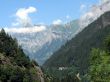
76, 51
94, 12
41, 45
15, 66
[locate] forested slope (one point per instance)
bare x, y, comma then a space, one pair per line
15, 66
76, 51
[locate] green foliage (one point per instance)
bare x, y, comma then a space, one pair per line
15, 66
107, 43
22, 59
10, 73
56, 75
17, 74
10, 47
68, 78
99, 70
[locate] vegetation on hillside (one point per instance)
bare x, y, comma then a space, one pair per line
76, 52
99, 70
15, 66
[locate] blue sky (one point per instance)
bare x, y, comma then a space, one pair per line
46, 12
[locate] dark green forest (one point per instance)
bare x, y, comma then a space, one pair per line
77, 52
15, 66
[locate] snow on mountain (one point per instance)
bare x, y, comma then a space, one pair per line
41, 41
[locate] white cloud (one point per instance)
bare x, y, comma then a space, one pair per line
25, 30
94, 12
82, 7
22, 16
90, 16
57, 22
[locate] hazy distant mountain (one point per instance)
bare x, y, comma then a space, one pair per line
41, 45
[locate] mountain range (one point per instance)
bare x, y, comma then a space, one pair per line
41, 45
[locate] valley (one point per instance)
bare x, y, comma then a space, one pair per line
65, 41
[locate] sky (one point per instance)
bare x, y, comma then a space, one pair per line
29, 12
